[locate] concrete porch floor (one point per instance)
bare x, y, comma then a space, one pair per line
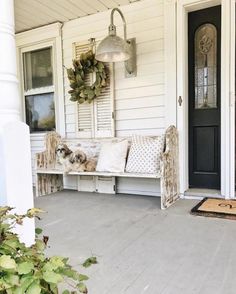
141, 249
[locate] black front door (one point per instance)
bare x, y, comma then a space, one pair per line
204, 41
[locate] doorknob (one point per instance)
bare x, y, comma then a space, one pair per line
180, 100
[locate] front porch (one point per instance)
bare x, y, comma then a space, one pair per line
140, 248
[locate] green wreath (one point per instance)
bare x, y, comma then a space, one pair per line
87, 64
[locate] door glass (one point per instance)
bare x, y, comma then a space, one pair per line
205, 44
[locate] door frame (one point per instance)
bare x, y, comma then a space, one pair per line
181, 9
232, 98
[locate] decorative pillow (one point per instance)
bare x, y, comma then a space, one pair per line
112, 157
144, 155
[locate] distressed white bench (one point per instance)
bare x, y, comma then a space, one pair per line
49, 178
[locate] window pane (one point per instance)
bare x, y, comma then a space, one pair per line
206, 66
40, 112
38, 68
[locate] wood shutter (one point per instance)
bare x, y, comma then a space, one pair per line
84, 111
96, 120
104, 109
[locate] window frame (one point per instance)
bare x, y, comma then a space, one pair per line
36, 39
41, 90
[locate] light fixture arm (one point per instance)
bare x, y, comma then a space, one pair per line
112, 28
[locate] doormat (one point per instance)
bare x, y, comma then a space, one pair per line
215, 207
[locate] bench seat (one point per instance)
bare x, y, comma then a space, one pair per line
101, 174
49, 178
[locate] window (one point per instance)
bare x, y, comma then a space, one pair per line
39, 90
206, 67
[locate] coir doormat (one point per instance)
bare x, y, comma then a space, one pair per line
215, 207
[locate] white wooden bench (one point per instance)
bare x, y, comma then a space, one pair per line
49, 178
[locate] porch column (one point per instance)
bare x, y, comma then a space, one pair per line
15, 157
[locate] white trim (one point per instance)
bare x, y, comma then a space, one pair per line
183, 7
37, 91
59, 85
225, 103
38, 35
37, 46
170, 62
232, 101
182, 91
47, 36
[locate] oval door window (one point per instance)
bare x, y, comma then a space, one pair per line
205, 45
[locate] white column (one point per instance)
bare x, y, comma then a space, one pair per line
15, 157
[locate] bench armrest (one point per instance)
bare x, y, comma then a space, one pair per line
170, 168
47, 158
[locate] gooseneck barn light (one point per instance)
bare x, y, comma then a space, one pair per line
115, 49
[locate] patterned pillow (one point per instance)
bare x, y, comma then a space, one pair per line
144, 155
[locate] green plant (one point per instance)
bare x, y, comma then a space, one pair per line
80, 90
27, 269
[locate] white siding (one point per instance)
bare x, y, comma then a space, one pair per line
139, 101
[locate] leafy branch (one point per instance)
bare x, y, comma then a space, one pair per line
27, 269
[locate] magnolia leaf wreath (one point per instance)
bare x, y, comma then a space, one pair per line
80, 90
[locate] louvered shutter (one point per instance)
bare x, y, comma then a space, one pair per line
85, 115
104, 109
96, 120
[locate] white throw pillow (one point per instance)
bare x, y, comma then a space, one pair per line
144, 155
112, 157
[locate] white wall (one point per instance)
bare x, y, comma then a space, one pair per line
139, 101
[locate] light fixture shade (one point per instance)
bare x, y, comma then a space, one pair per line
113, 49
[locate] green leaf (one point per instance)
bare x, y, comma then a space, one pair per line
91, 94
54, 263
103, 83
39, 245
57, 261
89, 261
82, 288
12, 279
69, 272
25, 267
100, 66
7, 262
83, 278
73, 85
52, 277
66, 292
70, 72
97, 91
81, 100
38, 231
34, 288
13, 242
4, 285
34, 212
25, 282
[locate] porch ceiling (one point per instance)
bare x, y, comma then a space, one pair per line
30, 14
